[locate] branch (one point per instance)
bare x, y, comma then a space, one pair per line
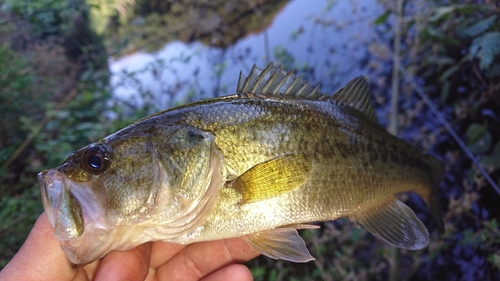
448, 127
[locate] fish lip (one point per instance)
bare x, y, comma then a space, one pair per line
54, 187
89, 197
51, 187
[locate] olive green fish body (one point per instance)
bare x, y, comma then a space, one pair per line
259, 164
355, 164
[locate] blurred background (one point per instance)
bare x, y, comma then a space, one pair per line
73, 71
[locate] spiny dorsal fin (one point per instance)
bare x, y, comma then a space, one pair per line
273, 81
356, 95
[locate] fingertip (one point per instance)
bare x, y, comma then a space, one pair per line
236, 272
203, 259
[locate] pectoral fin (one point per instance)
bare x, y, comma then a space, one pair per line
396, 224
272, 178
280, 243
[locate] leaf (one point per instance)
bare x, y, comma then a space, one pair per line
477, 28
441, 12
445, 91
493, 71
448, 72
441, 59
485, 48
492, 161
479, 138
440, 36
383, 18
472, 8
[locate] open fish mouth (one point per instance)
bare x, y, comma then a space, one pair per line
75, 211
63, 209
51, 187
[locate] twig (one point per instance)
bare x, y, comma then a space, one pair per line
485, 225
267, 52
448, 127
393, 125
396, 61
38, 129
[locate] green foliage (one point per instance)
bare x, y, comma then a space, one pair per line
80, 122
494, 259
148, 25
477, 28
103, 13
283, 57
492, 161
486, 239
451, 28
17, 216
382, 18
51, 103
485, 48
452, 43
479, 138
16, 84
47, 17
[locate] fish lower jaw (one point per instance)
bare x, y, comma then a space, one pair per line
92, 244
95, 243
50, 182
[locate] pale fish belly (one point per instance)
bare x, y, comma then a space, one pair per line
350, 191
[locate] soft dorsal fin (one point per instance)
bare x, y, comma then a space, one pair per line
356, 95
273, 81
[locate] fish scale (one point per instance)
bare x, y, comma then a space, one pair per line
259, 164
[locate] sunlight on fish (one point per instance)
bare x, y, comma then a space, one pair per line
258, 164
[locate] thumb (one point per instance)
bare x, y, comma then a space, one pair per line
40, 257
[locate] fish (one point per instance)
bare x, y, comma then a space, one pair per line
275, 157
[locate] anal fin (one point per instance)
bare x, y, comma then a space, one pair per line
280, 243
396, 224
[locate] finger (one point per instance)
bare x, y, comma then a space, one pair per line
125, 265
40, 257
163, 251
200, 259
236, 272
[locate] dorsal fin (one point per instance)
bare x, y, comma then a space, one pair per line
356, 95
273, 81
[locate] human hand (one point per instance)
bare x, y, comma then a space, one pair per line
41, 258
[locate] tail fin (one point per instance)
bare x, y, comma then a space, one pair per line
437, 170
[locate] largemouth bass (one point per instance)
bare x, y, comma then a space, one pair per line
259, 164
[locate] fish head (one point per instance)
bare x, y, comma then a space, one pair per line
124, 191
74, 197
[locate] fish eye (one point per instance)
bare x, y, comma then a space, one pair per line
96, 159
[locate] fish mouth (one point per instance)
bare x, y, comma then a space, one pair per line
76, 211
63, 209
51, 187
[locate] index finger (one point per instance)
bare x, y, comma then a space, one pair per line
125, 265
201, 259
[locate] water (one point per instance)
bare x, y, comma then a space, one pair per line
328, 40
329, 46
